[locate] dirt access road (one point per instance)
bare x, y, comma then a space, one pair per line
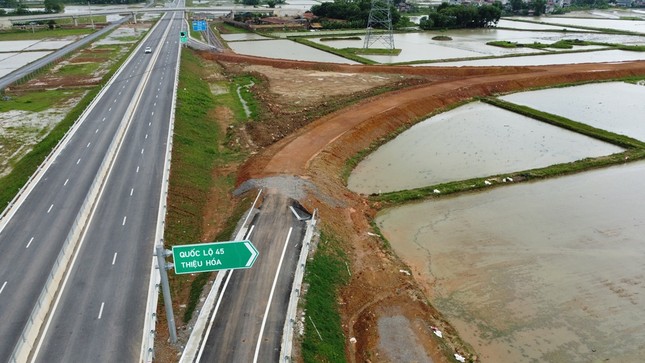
317, 152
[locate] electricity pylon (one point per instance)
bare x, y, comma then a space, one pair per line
380, 18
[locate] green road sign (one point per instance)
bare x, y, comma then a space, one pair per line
183, 36
205, 257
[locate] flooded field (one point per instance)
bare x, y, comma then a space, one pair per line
286, 49
615, 106
545, 59
475, 140
626, 25
551, 271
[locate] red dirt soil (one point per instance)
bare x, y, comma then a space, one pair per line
319, 150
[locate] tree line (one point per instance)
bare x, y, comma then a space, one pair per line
462, 16
355, 14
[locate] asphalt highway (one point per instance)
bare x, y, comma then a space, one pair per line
100, 315
32, 235
247, 326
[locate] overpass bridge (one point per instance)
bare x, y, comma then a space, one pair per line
8, 21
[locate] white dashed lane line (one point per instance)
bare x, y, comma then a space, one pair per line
131, 191
3, 285
78, 161
66, 180
137, 169
101, 310
124, 219
114, 258
50, 208
29, 243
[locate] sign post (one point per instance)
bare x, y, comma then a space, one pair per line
205, 257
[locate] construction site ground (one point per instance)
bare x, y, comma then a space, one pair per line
382, 293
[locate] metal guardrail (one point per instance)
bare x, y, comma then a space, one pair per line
286, 347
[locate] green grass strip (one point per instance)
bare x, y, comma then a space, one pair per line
324, 340
38, 34
610, 137
197, 150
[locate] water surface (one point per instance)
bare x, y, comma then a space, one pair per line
551, 271
614, 106
475, 140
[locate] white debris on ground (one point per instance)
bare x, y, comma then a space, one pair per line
459, 357
436, 331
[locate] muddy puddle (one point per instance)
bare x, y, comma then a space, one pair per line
475, 140
549, 271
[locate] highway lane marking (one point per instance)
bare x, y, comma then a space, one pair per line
114, 258
101, 310
102, 120
29, 243
155, 104
141, 151
119, 93
50, 208
66, 180
97, 131
146, 136
88, 144
124, 218
149, 123
110, 109
152, 113
3, 285
78, 161
266, 311
131, 191
221, 295
137, 168
210, 323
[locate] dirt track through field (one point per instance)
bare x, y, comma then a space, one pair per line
293, 154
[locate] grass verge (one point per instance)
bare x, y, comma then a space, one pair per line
324, 340
197, 151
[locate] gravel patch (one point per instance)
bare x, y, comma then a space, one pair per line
288, 185
398, 341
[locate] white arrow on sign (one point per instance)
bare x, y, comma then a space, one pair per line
254, 254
